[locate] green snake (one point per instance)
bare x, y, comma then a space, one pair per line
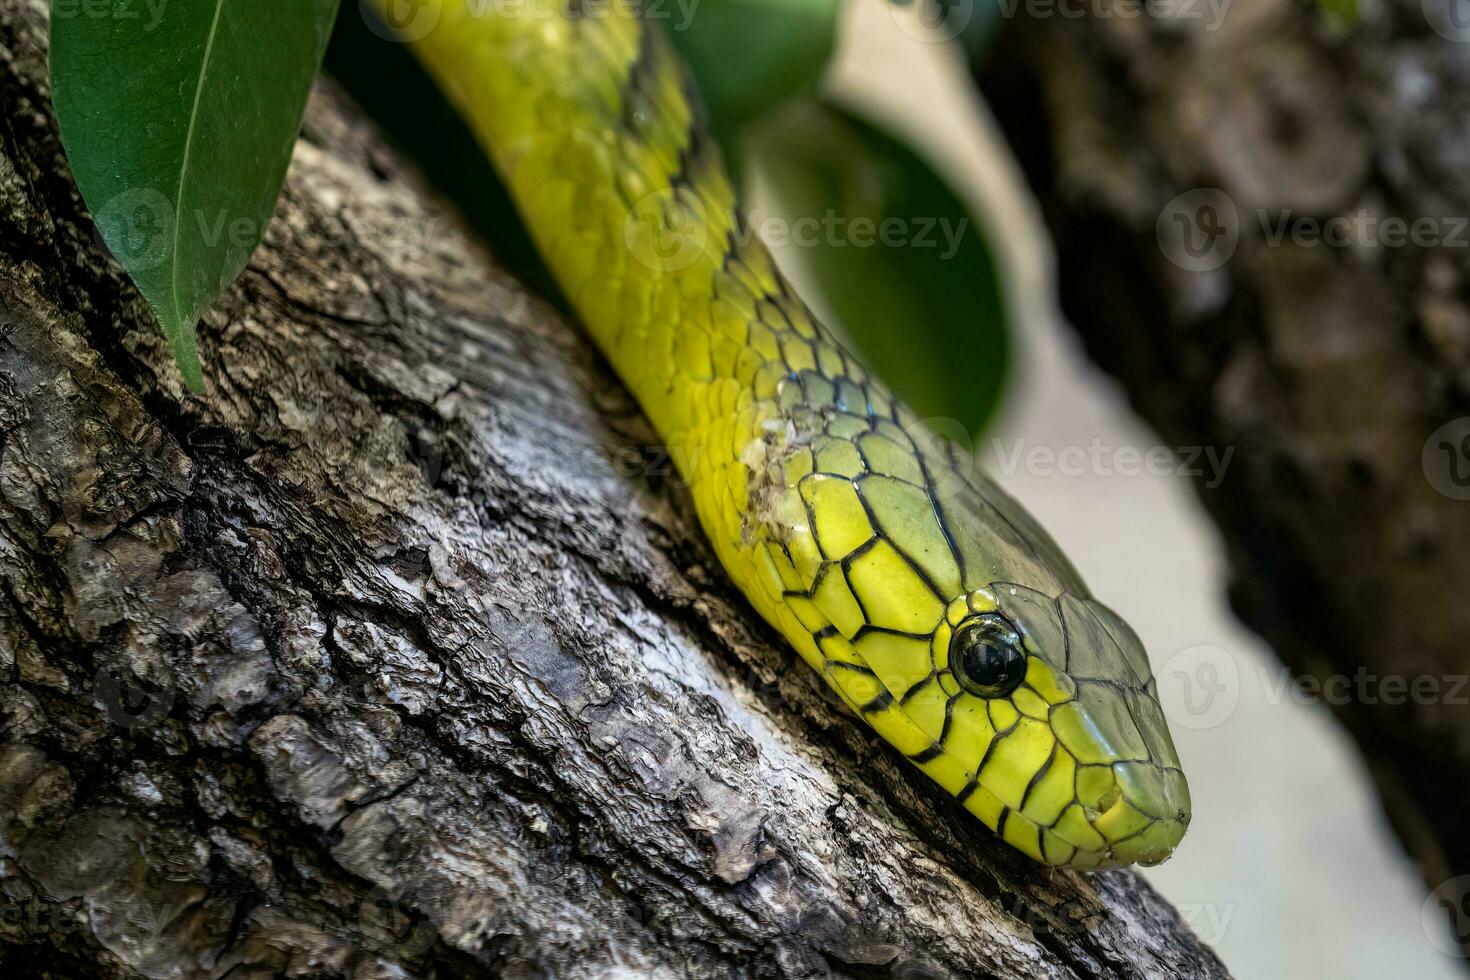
931, 602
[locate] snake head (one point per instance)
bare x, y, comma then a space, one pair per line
1078, 767
956, 627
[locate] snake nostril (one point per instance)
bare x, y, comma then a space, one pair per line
1106, 801
1097, 789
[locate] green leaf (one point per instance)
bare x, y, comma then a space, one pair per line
749, 56
178, 120
895, 255
1341, 14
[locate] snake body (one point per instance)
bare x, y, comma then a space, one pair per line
931, 602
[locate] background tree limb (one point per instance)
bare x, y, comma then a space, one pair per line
1327, 368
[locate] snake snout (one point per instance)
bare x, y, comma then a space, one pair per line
1141, 811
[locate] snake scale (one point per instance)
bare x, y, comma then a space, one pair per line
931, 602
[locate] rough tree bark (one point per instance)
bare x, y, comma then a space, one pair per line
1329, 369
390, 657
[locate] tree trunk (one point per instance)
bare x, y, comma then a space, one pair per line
399, 652
1338, 369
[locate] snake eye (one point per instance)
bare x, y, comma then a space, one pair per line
985, 656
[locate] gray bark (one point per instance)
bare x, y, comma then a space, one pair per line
1328, 369
398, 654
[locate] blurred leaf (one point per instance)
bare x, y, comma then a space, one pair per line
897, 257
1341, 14
179, 120
749, 56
